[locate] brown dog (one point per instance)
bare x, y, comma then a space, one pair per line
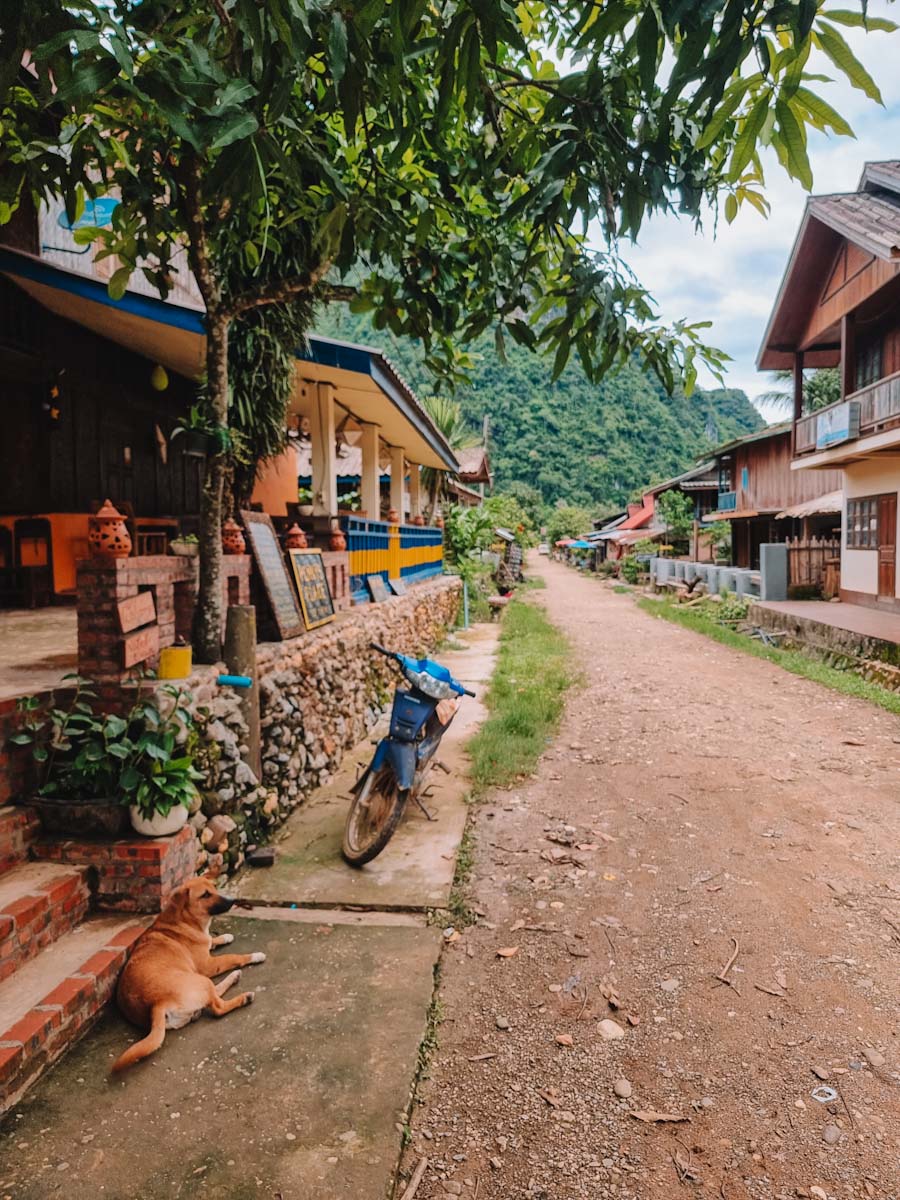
168, 981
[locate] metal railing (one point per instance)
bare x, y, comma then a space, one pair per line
408, 552
879, 402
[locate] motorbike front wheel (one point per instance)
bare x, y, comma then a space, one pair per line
373, 817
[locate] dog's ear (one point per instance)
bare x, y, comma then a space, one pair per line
178, 902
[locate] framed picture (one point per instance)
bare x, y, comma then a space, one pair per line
316, 601
269, 558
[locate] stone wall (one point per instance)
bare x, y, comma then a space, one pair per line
320, 694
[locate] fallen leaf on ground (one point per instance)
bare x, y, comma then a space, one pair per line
507, 951
518, 925
650, 1116
551, 1095
565, 1039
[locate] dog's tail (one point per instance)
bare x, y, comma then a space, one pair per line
146, 1046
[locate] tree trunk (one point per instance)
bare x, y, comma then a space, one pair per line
208, 622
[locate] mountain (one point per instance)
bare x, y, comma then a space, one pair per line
582, 443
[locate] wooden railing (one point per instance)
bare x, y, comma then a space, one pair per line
409, 552
879, 402
807, 560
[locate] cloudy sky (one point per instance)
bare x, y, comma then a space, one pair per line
732, 278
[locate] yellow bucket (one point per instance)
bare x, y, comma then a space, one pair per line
175, 662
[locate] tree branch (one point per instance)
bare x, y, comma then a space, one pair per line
279, 290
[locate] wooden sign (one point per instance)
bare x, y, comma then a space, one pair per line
269, 559
398, 586
136, 611
514, 556
312, 584
140, 646
377, 588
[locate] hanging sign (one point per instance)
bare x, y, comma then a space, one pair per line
269, 558
837, 424
96, 212
312, 586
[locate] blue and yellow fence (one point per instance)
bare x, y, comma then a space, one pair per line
410, 552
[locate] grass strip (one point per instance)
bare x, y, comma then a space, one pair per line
524, 700
795, 661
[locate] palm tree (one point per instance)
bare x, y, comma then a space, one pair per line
821, 388
447, 417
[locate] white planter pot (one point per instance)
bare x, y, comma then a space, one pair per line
159, 825
305, 510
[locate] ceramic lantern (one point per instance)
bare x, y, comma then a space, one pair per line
232, 538
295, 538
108, 534
337, 541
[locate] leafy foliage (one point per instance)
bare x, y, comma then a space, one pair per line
821, 388
567, 522
140, 758
676, 511
592, 445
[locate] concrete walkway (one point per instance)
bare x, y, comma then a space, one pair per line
870, 622
303, 1096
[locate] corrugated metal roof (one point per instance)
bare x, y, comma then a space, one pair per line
769, 431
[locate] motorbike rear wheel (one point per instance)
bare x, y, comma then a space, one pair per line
373, 817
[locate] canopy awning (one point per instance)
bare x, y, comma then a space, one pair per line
823, 506
365, 381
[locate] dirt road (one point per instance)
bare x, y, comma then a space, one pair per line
719, 811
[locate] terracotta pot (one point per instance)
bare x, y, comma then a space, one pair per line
108, 535
337, 541
232, 538
159, 825
393, 516
439, 522
418, 519
295, 538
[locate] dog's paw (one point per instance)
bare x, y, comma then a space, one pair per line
257, 956
224, 939
249, 997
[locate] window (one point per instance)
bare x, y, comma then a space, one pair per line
868, 363
862, 523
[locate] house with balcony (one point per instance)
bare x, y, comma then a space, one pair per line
839, 306
766, 501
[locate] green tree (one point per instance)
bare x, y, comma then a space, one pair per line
437, 164
567, 522
447, 416
821, 387
676, 511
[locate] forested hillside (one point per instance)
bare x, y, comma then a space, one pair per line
575, 441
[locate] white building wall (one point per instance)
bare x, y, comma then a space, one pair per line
859, 568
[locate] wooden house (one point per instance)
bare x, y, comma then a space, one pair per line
839, 306
762, 496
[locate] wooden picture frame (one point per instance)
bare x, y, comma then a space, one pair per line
268, 555
316, 601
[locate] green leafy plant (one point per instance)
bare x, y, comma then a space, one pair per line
630, 569
676, 511
186, 539
304, 495
140, 758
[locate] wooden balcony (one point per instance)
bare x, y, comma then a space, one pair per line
879, 408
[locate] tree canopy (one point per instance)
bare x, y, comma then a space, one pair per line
444, 167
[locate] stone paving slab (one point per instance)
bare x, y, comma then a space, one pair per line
298, 1096
416, 869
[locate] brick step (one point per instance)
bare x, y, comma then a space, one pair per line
18, 829
39, 903
55, 997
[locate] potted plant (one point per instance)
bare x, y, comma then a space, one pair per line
305, 501
200, 435
95, 768
185, 545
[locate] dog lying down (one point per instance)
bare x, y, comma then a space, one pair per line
168, 980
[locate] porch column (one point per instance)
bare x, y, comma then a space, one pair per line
324, 455
798, 397
415, 491
370, 493
848, 355
398, 470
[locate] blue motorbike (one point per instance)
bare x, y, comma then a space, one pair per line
420, 716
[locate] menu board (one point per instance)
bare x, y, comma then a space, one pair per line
377, 588
312, 584
398, 586
269, 558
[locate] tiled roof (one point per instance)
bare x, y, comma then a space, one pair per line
870, 219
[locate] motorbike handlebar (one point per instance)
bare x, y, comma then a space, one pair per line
466, 692
381, 650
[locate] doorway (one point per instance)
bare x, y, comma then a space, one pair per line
887, 546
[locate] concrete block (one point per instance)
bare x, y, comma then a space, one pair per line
773, 568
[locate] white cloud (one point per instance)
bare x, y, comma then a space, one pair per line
730, 275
